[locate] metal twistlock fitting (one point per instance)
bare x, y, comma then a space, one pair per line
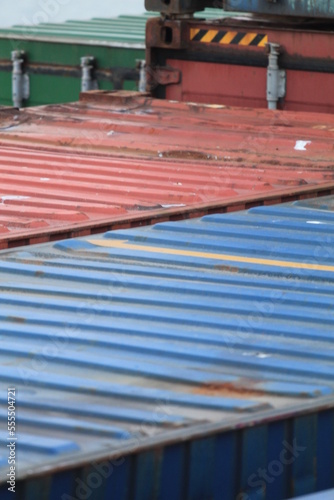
20, 79
141, 67
88, 82
276, 77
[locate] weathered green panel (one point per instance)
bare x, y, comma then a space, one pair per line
47, 89
52, 89
5, 89
53, 52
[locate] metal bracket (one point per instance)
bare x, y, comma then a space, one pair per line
20, 79
88, 82
175, 8
163, 75
141, 66
276, 77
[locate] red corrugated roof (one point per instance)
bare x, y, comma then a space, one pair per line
119, 159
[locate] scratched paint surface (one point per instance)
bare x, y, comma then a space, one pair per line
130, 337
122, 158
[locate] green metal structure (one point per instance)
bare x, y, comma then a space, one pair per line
52, 54
49, 57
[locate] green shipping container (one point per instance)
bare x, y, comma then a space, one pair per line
48, 58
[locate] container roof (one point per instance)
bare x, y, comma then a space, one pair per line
116, 159
125, 29
129, 339
322, 495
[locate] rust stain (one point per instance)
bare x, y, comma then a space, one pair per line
231, 269
229, 389
120, 97
39, 274
187, 155
30, 261
16, 319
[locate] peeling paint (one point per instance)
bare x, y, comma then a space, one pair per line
301, 145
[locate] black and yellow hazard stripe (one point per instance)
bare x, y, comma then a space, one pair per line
228, 37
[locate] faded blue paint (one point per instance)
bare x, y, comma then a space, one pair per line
161, 371
33, 443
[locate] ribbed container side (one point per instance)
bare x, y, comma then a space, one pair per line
186, 360
119, 159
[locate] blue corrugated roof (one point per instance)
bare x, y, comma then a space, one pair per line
134, 336
322, 495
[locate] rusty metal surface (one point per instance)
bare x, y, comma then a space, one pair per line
225, 61
300, 41
123, 159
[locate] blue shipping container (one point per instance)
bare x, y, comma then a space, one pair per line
188, 360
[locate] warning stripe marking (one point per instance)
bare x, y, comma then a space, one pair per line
228, 37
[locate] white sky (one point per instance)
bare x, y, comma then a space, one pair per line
40, 11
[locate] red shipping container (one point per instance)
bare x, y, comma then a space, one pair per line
120, 159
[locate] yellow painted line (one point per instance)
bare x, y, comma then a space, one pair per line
209, 36
193, 32
264, 42
247, 39
228, 37
206, 255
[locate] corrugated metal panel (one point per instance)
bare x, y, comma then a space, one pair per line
121, 159
194, 359
124, 29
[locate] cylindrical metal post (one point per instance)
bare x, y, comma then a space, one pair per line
273, 75
87, 81
17, 78
142, 75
